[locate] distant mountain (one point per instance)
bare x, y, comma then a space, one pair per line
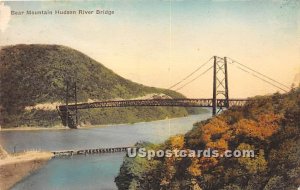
37, 74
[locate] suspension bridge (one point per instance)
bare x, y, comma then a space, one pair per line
220, 95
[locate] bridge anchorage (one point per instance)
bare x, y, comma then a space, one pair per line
219, 101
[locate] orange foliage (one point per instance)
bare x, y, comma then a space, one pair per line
265, 127
207, 162
194, 168
169, 166
216, 126
269, 119
220, 144
176, 142
217, 133
227, 136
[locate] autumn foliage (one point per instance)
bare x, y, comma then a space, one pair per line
268, 125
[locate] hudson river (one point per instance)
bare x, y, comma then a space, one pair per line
92, 171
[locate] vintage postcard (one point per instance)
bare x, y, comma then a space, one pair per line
150, 95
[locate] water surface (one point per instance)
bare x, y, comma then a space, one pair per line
93, 171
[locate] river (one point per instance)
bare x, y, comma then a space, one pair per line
92, 171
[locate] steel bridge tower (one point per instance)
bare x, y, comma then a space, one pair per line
220, 83
67, 114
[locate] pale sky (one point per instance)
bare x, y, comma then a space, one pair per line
157, 43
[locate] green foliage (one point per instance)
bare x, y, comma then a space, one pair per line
254, 165
232, 187
135, 170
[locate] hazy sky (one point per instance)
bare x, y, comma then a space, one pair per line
157, 43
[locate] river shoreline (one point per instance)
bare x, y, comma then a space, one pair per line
85, 127
93, 170
15, 167
32, 129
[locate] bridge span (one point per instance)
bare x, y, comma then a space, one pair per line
184, 102
220, 94
67, 119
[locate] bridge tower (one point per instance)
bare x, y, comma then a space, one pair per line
71, 93
220, 83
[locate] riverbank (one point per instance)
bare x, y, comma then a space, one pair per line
60, 127
126, 124
104, 168
14, 168
33, 128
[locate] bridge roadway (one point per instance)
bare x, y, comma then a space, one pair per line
67, 117
156, 102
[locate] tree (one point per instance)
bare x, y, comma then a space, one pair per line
266, 126
194, 169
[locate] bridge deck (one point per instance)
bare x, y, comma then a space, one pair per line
67, 119
156, 102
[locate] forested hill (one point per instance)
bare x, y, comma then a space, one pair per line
270, 125
37, 74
